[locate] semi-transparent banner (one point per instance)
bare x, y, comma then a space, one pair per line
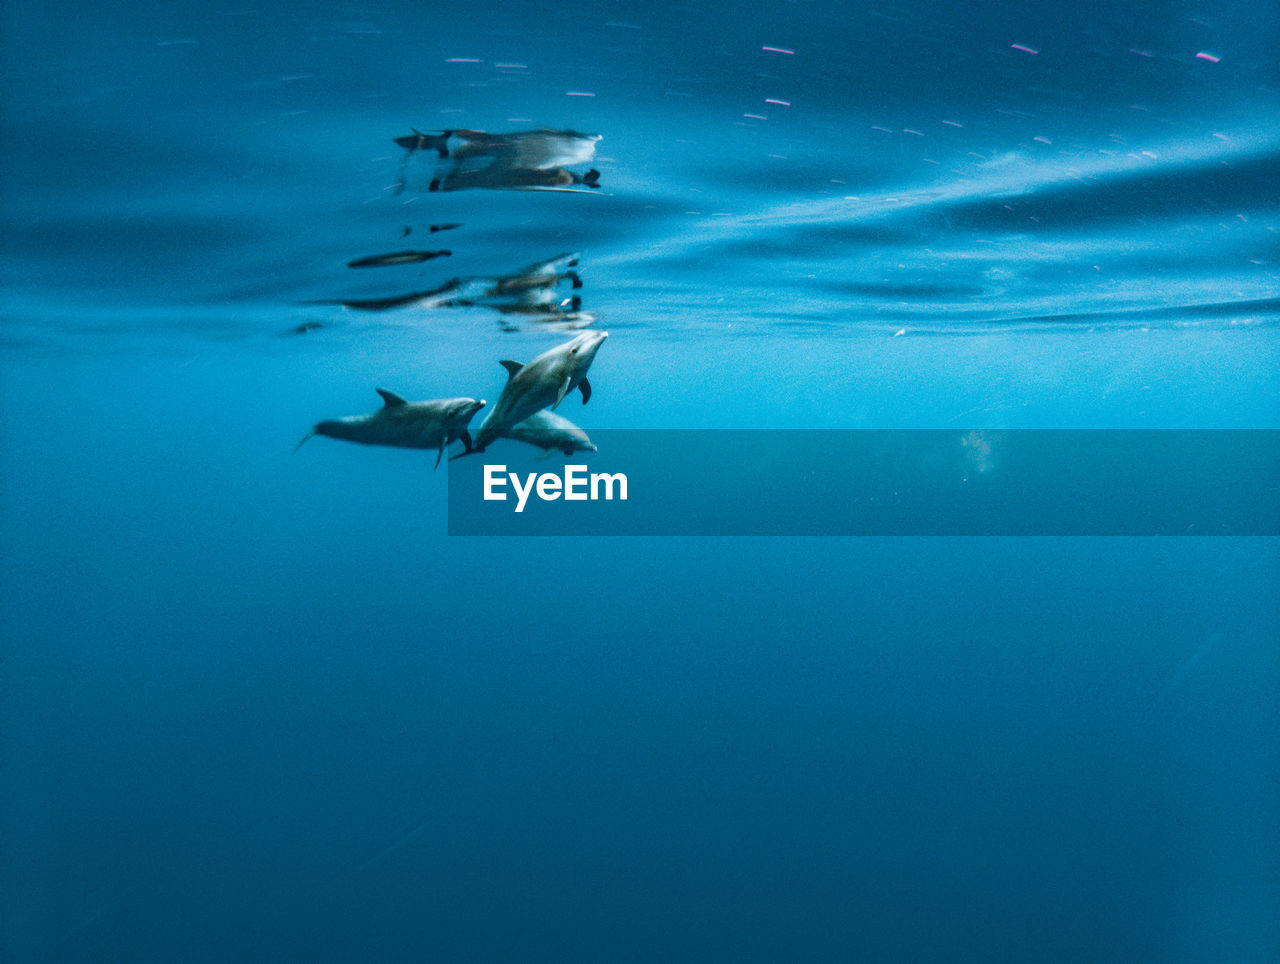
788, 482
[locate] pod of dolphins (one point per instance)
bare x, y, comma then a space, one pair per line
524, 411
520, 412
529, 291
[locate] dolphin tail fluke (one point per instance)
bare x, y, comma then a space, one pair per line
418, 141
302, 441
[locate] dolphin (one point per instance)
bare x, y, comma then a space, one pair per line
397, 257
435, 298
406, 425
549, 431
527, 150
498, 176
543, 383
540, 275
523, 160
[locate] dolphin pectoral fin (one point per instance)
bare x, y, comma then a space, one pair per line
304, 439
584, 386
466, 439
564, 388
543, 455
512, 368
391, 399
439, 455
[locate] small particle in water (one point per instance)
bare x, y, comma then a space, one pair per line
1139, 53
578, 93
899, 333
307, 327
443, 227
883, 129
908, 130
1024, 48
1042, 140
784, 103
513, 66
779, 50
1212, 58
951, 123
756, 116
463, 60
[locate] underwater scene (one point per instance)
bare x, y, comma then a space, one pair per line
282, 282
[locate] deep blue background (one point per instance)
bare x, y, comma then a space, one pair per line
259, 706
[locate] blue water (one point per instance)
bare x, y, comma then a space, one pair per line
258, 706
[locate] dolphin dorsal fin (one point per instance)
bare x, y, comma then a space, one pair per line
391, 399
512, 367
